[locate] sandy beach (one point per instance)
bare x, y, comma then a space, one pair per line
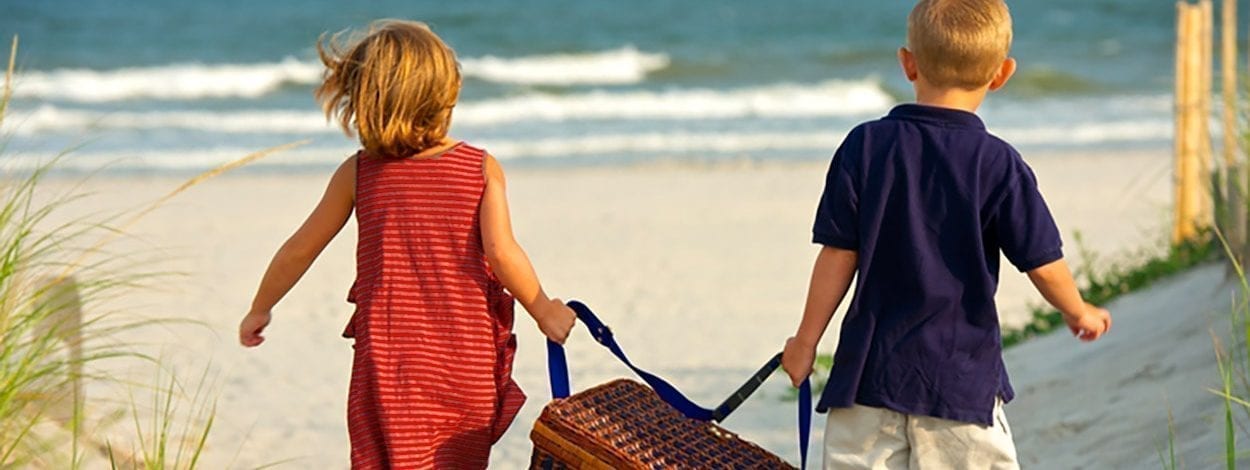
700, 270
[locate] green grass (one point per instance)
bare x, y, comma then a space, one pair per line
172, 437
1103, 282
1168, 461
1234, 364
50, 269
58, 275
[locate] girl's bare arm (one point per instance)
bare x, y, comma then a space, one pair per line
295, 256
510, 262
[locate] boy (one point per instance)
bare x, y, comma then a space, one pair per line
919, 204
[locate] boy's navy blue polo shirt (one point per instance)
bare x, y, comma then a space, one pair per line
927, 198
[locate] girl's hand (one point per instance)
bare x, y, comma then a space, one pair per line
251, 327
555, 320
797, 360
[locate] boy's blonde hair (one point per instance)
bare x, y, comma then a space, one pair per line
395, 86
959, 43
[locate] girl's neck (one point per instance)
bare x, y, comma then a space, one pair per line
434, 152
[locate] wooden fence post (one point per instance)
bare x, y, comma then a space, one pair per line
1181, 97
1204, 157
1232, 182
1194, 199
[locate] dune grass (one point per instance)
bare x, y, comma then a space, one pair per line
59, 274
1233, 363
1103, 281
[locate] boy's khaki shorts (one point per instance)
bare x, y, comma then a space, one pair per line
863, 437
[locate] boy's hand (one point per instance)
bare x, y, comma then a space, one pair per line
251, 327
797, 360
555, 320
1092, 323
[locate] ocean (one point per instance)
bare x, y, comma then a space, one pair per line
177, 86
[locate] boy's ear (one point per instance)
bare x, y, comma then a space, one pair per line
1004, 73
908, 61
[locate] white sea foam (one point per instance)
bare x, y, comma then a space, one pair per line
619, 66
167, 82
759, 144
834, 98
54, 119
1138, 130
665, 144
191, 81
593, 146
831, 98
178, 160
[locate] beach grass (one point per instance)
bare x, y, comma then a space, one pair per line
59, 273
1102, 281
1233, 359
1168, 461
171, 436
1233, 362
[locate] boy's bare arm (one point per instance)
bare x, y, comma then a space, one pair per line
1054, 281
831, 278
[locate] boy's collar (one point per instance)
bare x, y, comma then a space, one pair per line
936, 115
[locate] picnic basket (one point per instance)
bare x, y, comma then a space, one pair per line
624, 424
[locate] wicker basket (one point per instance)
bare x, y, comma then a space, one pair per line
623, 424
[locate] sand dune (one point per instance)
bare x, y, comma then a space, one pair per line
1106, 404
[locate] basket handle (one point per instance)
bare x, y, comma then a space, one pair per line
746, 390
558, 374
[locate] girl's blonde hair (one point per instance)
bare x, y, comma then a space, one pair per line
395, 86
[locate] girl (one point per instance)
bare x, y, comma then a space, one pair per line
431, 380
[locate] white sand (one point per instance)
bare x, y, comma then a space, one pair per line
701, 272
1106, 404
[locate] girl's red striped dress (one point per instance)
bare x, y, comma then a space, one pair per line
431, 382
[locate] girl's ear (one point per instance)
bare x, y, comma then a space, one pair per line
1004, 73
908, 61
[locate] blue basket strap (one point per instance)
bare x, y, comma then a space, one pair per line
734, 401
558, 374
603, 335
557, 370
805, 420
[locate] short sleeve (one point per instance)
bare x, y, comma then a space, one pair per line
1025, 229
837, 217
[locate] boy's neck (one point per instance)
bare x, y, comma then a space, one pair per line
953, 98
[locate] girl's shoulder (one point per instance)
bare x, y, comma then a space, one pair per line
471, 149
477, 155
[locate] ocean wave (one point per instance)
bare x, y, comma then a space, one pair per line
834, 98
167, 82
49, 119
757, 144
173, 160
192, 81
619, 66
55, 119
831, 98
678, 144
1138, 130
664, 143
